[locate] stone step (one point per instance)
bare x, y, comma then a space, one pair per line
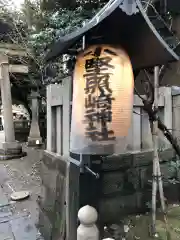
20, 225
24, 229
15, 226
6, 231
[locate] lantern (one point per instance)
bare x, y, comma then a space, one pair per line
102, 101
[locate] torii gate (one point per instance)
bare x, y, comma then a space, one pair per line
10, 148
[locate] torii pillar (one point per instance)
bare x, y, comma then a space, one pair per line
9, 147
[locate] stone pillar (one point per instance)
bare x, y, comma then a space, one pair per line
34, 138
9, 148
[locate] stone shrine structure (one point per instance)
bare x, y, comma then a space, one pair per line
124, 182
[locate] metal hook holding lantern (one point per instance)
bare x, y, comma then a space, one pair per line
85, 166
96, 175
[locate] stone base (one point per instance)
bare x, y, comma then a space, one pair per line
52, 199
11, 150
34, 142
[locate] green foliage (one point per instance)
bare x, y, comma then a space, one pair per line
36, 28
56, 25
51, 5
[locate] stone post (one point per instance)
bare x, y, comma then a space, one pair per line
34, 138
87, 229
9, 148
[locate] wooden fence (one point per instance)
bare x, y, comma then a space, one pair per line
139, 138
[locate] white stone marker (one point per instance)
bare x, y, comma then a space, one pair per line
87, 229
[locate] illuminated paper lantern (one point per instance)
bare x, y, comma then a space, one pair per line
102, 101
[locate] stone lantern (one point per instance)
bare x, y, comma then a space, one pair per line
34, 138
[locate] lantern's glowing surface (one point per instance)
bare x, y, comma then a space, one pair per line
102, 101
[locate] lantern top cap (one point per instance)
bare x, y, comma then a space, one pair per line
129, 27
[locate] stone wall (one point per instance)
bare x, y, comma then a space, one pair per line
124, 188
52, 199
126, 183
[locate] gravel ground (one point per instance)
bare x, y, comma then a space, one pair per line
23, 174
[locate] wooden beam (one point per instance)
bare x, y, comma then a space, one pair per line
18, 68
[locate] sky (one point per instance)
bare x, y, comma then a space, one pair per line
17, 3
